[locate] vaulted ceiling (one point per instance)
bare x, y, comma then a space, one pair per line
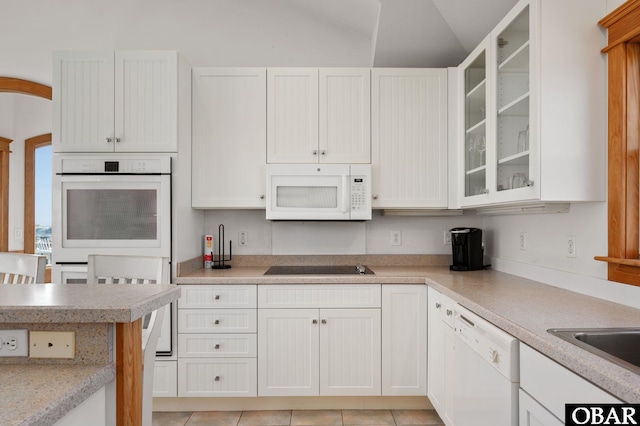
413, 33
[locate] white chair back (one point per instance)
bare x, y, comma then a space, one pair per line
22, 268
139, 270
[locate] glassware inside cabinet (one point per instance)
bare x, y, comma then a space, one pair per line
475, 89
513, 93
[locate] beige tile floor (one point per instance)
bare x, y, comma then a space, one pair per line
299, 418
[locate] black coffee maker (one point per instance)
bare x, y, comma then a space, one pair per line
468, 253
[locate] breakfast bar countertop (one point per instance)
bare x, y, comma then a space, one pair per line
82, 303
42, 391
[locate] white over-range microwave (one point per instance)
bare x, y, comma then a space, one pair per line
318, 192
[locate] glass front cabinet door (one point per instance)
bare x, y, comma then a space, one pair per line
499, 138
474, 81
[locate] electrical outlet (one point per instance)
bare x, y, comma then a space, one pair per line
52, 344
243, 238
396, 238
523, 241
571, 246
447, 238
14, 343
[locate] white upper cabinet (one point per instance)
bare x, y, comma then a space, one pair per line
318, 115
115, 102
409, 138
532, 108
228, 137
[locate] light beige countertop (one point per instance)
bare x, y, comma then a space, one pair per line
82, 303
42, 391
42, 394
522, 307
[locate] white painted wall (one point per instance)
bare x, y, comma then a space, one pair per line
207, 32
420, 235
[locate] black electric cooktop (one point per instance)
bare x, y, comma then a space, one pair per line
319, 270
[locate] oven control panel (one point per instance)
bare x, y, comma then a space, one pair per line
131, 165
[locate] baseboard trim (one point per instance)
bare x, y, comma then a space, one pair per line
293, 403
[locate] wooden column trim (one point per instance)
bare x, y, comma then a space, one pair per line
129, 373
30, 146
623, 25
4, 193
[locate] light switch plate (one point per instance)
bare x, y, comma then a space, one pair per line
52, 344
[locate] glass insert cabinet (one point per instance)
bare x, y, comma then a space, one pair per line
530, 99
496, 114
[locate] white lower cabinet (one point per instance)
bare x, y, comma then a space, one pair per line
165, 379
217, 342
441, 344
551, 386
319, 340
305, 352
534, 414
404, 339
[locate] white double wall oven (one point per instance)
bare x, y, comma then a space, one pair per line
109, 204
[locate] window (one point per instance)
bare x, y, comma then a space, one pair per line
37, 195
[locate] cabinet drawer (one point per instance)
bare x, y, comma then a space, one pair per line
553, 386
320, 296
217, 377
217, 345
218, 296
217, 320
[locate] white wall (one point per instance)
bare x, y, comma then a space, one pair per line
207, 32
420, 235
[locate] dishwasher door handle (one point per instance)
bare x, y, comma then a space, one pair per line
465, 319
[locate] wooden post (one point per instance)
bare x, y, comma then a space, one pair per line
129, 373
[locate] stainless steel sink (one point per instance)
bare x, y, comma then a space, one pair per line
618, 345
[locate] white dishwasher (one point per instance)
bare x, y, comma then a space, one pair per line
485, 373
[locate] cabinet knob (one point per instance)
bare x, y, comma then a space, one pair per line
323, 152
217, 378
216, 322
117, 139
438, 305
109, 140
449, 312
262, 197
486, 191
324, 321
217, 346
217, 297
315, 152
375, 197
315, 321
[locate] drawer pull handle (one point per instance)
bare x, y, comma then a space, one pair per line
324, 321
217, 378
438, 305
216, 322
217, 297
315, 321
217, 346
